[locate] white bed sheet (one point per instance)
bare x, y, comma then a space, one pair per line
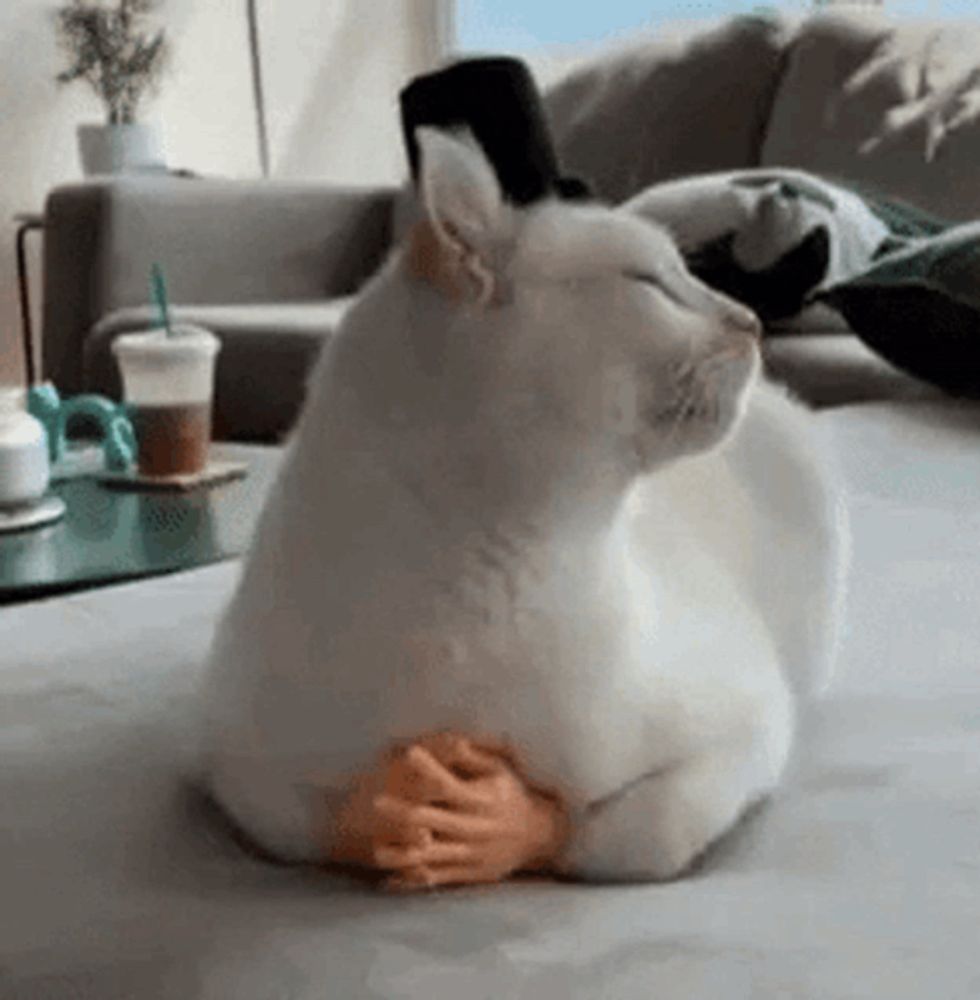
862, 879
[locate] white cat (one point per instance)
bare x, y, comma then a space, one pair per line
552, 503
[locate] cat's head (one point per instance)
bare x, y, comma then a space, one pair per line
565, 336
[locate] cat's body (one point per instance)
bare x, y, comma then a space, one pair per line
470, 534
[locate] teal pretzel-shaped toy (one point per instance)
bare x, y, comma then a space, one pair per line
118, 437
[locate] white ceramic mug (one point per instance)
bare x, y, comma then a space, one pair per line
25, 470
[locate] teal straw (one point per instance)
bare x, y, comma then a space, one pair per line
158, 289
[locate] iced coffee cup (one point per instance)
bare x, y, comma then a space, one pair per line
168, 385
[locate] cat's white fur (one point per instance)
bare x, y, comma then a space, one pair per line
566, 512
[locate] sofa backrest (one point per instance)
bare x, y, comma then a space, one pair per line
685, 98
857, 95
891, 104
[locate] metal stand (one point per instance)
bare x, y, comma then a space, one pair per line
27, 222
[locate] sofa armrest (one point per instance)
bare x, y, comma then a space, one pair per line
218, 241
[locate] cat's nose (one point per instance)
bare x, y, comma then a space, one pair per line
744, 320
733, 314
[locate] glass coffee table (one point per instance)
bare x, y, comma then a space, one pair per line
109, 535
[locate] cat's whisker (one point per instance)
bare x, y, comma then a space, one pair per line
685, 377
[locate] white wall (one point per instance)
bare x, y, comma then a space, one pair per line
332, 70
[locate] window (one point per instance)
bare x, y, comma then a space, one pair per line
523, 26
520, 26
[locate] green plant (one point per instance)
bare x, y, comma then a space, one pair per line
111, 52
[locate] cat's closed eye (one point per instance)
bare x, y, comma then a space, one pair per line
650, 279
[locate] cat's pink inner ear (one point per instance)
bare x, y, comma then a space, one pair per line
446, 264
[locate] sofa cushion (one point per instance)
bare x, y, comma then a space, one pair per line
894, 105
829, 370
267, 351
635, 115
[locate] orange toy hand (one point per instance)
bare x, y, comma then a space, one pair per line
444, 811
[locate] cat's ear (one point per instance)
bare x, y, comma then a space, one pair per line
464, 215
460, 191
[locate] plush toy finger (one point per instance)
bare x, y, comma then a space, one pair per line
436, 852
429, 780
358, 827
466, 758
411, 880
423, 877
397, 814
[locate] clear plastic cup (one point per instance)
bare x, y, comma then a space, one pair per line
168, 387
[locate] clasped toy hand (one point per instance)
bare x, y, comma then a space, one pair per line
447, 811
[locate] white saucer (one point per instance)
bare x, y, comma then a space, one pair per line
44, 511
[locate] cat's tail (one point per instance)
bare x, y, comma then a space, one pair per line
802, 551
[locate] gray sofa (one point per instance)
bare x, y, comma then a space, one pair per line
267, 266
270, 266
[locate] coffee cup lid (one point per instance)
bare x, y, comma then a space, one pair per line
184, 339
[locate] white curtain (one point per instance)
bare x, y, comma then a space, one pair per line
331, 74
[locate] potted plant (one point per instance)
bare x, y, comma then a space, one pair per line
122, 62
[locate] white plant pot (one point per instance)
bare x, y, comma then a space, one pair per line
120, 149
